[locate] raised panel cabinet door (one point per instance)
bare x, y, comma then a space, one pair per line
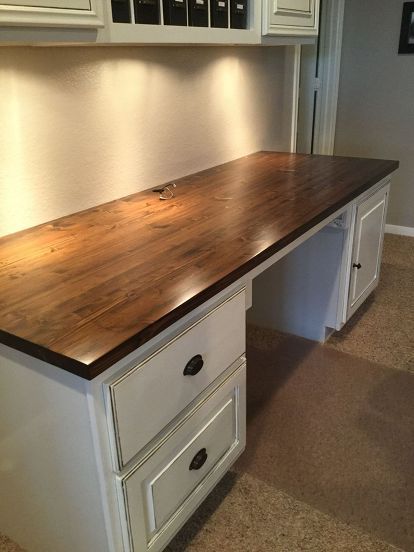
61, 4
367, 249
303, 6
52, 13
159, 493
291, 17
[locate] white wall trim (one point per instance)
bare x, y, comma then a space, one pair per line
295, 97
329, 69
399, 230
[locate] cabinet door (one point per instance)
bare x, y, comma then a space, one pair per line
291, 17
62, 4
51, 13
367, 249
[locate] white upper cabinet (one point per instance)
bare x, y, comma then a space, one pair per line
290, 17
193, 22
52, 13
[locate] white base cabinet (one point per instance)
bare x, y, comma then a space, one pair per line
160, 494
317, 287
214, 342
118, 464
64, 486
367, 248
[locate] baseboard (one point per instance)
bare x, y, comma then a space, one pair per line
400, 230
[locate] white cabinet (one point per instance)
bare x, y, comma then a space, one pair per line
319, 285
133, 22
367, 248
291, 17
52, 13
159, 494
176, 424
65, 4
193, 424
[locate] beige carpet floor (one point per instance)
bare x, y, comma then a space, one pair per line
336, 432
382, 330
329, 463
6, 545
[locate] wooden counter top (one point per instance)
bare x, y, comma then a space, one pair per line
83, 291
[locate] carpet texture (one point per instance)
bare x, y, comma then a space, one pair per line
244, 514
6, 545
334, 431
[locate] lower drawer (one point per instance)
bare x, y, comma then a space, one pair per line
160, 494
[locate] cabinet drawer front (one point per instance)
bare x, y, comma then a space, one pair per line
161, 493
152, 394
171, 486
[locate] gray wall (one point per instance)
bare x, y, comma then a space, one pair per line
376, 97
81, 126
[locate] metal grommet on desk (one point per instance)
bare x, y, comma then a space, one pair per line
166, 192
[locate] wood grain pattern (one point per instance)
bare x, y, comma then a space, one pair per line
83, 291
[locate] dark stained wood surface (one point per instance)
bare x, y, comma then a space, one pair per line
83, 291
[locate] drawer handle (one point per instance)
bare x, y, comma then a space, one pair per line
193, 366
199, 460
357, 266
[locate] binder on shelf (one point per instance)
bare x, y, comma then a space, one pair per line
175, 12
121, 11
198, 13
238, 14
147, 11
220, 13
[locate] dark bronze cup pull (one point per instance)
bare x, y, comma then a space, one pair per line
199, 460
193, 366
358, 266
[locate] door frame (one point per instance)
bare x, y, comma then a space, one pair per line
329, 64
330, 48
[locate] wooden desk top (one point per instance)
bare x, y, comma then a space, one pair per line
83, 291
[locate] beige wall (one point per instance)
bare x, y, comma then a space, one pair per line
81, 126
376, 97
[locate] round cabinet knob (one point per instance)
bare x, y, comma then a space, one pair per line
193, 366
199, 460
357, 266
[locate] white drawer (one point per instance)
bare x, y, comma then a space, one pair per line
152, 394
160, 494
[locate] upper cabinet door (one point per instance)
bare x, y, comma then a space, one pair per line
291, 17
51, 13
303, 6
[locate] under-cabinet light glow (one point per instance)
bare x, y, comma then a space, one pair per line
81, 126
